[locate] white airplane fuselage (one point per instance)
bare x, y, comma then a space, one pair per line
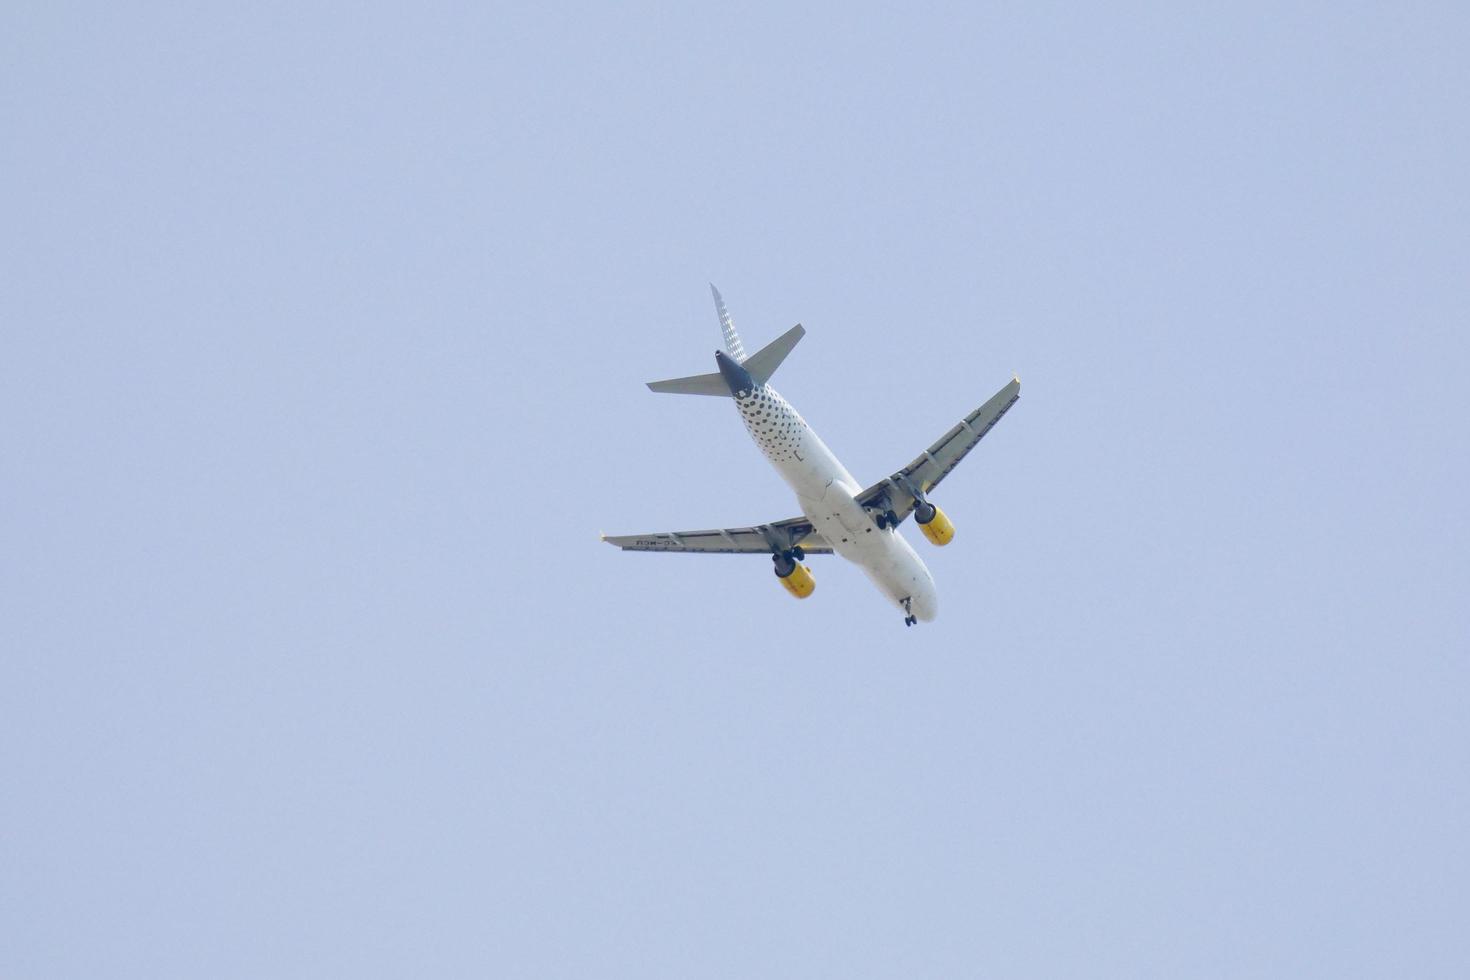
827, 495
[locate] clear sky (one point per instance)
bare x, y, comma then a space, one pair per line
325, 330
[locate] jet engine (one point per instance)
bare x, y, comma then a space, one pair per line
796, 577
933, 522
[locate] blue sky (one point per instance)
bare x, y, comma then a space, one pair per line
326, 328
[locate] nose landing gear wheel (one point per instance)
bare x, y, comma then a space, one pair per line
909, 618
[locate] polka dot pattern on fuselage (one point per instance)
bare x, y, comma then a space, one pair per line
773, 424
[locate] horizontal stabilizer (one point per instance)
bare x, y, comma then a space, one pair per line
763, 363
699, 384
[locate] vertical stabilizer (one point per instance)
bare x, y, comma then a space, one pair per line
733, 347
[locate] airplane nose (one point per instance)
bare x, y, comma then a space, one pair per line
926, 607
925, 602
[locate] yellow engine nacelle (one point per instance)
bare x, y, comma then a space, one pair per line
939, 530
799, 582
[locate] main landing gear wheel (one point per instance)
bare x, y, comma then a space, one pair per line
887, 519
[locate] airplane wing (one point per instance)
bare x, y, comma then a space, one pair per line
763, 539
934, 465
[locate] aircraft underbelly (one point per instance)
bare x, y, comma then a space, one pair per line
828, 493
884, 555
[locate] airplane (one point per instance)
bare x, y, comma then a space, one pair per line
838, 514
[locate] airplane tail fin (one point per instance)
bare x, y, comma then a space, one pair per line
733, 346
761, 365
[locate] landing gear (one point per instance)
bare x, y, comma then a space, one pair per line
887, 519
909, 618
